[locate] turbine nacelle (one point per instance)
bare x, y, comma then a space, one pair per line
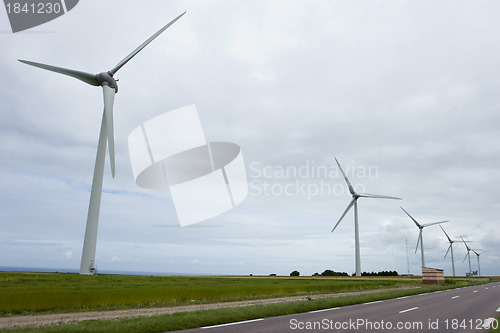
106, 78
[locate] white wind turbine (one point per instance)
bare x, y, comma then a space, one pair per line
468, 254
110, 88
420, 234
478, 254
354, 202
450, 248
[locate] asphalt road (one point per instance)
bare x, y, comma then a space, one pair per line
458, 310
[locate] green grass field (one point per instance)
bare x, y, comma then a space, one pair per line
40, 293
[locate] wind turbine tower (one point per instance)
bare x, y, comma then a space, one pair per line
420, 235
109, 86
354, 202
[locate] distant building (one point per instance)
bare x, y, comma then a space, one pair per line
432, 275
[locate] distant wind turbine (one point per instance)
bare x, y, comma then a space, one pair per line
468, 254
420, 234
110, 88
478, 254
354, 202
450, 248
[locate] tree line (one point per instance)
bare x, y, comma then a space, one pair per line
329, 272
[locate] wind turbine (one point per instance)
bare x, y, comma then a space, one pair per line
420, 236
468, 254
354, 202
450, 248
110, 88
478, 254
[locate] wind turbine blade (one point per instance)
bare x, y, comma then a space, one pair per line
466, 256
433, 223
345, 212
351, 189
109, 97
449, 239
82, 76
411, 217
419, 240
376, 196
143, 45
467, 246
449, 247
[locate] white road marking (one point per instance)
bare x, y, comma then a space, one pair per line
403, 297
374, 302
487, 322
498, 310
475, 291
236, 323
455, 297
411, 309
323, 310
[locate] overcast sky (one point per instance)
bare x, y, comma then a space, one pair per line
404, 93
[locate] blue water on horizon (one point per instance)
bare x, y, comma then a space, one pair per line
76, 271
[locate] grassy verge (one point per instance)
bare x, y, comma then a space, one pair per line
178, 321
185, 320
36, 293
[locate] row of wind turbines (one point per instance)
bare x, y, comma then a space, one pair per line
106, 140
420, 241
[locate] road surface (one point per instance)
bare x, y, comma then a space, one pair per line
468, 309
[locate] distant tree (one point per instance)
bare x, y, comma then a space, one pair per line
316, 274
295, 273
329, 272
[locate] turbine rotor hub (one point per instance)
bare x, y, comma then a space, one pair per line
106, 78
